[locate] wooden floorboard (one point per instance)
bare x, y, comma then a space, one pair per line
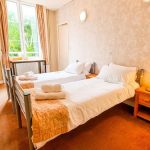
115, 129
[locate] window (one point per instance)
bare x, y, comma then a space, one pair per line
22, 30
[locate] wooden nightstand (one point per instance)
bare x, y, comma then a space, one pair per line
89, 76
142, 104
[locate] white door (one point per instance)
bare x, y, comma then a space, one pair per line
63, 43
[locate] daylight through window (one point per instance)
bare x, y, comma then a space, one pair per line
22, 29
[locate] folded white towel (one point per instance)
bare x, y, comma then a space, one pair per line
49, 96
25, 78
29, 74
51, 88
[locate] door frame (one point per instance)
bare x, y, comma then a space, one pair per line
58, 42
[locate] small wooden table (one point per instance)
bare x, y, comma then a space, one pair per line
89, 76
142, 98
39, 61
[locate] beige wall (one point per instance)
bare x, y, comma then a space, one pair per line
115, 30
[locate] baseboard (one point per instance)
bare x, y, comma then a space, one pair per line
129, 102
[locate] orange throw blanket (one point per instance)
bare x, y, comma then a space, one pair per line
27, 85
50, 118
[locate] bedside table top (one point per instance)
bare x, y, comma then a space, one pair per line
142, 90
90, 76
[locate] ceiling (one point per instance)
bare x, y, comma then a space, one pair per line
51, 4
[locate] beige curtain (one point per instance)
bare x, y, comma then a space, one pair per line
52, 39
42, 26
48, 35
4, 33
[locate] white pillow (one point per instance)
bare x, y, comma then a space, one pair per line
75, 68
103, 72
130, 72
122, 67
87, 68
115, 76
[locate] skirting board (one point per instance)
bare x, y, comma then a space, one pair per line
129, 102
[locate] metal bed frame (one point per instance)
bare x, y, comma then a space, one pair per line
13, 64
12, 71
21, 100
23, 103
9, 87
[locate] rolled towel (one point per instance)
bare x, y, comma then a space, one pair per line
51, 88
24, 78
49, 96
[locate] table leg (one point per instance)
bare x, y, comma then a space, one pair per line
15, 69
45, 66
39, 66
136, 105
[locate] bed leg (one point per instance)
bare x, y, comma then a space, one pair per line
18, 112
28, 109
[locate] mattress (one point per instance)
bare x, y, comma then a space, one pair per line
87, 99
58, 77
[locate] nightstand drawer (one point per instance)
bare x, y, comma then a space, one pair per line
144, 99
142, 103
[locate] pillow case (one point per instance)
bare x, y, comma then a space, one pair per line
87, 68
75, 68
129, 72
115, 75
122, 67
103, 72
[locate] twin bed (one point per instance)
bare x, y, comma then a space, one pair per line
60, 77
85, 99
74, 72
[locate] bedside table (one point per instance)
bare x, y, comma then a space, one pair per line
89, 76
142, 103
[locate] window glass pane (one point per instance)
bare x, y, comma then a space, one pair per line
13, 28
30, 31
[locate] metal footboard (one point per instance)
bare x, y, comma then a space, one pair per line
23, 103
8, 82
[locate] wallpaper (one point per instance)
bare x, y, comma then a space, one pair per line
115, 31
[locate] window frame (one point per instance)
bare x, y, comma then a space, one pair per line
21, 30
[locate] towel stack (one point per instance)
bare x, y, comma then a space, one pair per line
27, 76
50, 92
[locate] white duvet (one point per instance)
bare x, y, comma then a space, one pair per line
58, 77
89, 98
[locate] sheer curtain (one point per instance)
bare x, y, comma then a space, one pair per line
4, 33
